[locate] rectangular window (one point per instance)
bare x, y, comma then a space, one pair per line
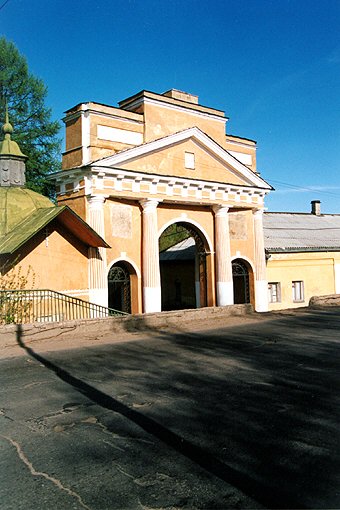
189, 160
298, 291
274, 292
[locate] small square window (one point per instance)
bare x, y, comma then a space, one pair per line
274, 292
189, 160
298, 291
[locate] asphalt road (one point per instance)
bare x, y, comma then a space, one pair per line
244, 416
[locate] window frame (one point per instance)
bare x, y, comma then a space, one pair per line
298, 291
274, 297
189, 160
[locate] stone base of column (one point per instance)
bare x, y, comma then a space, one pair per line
152, 299
261, 296
224, 293
98, 297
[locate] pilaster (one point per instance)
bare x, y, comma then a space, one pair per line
98, 287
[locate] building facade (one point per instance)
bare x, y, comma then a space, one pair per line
161, 165
303, 256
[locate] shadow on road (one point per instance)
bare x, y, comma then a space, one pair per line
273, 416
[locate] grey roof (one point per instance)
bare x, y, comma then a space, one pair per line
184, 250
286, 232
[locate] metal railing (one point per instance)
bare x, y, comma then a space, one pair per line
27, 306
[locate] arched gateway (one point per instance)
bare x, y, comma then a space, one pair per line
183, 267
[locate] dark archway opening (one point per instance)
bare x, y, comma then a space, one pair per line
183, 268
241, 282
119, 287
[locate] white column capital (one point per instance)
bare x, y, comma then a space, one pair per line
149, 204
258, 213
220, 210
96, 201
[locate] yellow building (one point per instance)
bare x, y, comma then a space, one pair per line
303, 256
156, 166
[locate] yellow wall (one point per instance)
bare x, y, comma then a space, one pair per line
161, 121
59, 261
316, 270
101, 148
171, 161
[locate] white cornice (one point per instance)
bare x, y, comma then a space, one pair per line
233, 164
242, 144
92, 111
192, 111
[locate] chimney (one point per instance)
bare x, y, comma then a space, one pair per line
316, 210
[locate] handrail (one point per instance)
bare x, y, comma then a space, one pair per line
45, 305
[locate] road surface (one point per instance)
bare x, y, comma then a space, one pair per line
243, 416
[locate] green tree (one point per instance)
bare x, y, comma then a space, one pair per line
34, 131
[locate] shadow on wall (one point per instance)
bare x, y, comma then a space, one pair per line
253, 405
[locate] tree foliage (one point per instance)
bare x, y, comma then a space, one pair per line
34, 131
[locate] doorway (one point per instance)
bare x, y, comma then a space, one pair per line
119, 287
241, 282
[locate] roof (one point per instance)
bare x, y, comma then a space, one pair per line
294, 232
147, 94
17, 204
24, 212
184, 250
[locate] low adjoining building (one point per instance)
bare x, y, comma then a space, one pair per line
50, 244
303, 256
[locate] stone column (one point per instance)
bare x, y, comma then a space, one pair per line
261, 284
224, 274
98, 288
150, 258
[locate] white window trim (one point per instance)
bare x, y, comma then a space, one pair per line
189, 160
274, 297
298, 285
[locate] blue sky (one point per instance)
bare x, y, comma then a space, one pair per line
272, 65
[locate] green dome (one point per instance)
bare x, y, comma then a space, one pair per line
17, 204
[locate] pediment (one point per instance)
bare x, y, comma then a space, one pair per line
168, 156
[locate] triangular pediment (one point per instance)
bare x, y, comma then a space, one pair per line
167, 156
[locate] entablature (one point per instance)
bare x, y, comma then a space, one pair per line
136, 185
